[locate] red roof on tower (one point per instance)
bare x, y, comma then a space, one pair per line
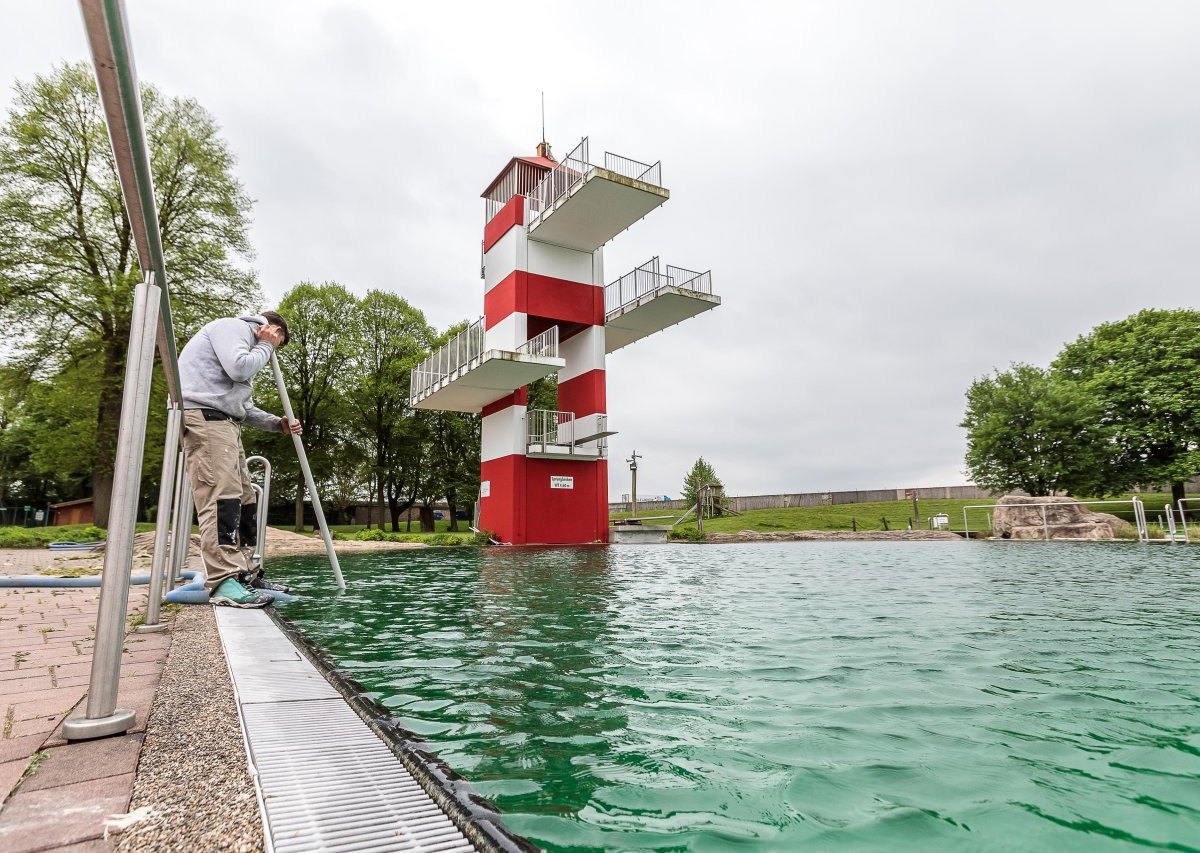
546, 163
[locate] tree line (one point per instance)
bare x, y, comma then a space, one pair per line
1117, 409
67, 271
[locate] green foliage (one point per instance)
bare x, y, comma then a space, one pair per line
1144, 373
686, 534
1028, 429
68, 263
40, 537
702, 474
437, 539
543, 394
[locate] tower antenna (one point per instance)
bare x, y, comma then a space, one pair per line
543, 116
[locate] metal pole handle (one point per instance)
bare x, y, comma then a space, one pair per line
308, 477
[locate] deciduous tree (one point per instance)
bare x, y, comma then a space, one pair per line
1144, 372
67, 259
1028, 429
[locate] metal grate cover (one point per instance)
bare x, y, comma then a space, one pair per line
328, 782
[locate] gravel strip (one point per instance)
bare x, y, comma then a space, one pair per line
192, 774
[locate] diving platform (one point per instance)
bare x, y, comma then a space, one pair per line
582, 206
463, 376
646, 301
552, 434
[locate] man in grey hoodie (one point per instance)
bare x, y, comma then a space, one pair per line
216, 369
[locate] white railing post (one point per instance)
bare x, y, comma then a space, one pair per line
102, 716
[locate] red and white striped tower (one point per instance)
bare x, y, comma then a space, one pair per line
530, 286
547, 310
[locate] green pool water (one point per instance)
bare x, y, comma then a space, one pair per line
795, 696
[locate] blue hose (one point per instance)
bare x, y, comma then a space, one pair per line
192, 592
43, 582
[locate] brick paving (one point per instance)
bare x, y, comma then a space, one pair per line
57, 795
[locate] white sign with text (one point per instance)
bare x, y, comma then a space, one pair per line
485, 489
562, 482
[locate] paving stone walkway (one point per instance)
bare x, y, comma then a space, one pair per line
58, 795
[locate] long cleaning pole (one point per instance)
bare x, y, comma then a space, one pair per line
308, 477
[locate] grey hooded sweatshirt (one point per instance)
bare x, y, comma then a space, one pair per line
217, 366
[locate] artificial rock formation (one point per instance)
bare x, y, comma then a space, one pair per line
1020, 517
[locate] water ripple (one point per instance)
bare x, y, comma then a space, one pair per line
849, 696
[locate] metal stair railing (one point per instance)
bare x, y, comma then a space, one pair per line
549, 428
544, 345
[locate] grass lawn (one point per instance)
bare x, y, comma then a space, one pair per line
869, 516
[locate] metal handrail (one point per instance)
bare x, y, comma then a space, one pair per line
646, 280
264, 500
700, 282
545, 427
465, 352
1183, 517
461, 350
570, 171
629, 168
116, 79
544, 345
574, 168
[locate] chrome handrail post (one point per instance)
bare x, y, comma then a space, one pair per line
264, 499
181, 530
102, 716
162, 520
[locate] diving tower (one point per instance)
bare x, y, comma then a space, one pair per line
549, 310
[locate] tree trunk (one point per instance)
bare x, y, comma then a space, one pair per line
299, 525
452, 508
1178, 492
426, 515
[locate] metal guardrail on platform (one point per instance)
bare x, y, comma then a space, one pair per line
574, 169
646, 279
461, 350
465, 351
548, 428
544, 345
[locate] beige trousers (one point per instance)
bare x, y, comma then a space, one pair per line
225, 503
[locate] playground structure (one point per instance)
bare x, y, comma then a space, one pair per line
547, 310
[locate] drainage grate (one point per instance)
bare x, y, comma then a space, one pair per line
327, 781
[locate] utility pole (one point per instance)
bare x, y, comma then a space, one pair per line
632, 460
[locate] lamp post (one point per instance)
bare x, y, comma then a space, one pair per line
632, 460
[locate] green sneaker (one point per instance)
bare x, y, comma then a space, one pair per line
230, 593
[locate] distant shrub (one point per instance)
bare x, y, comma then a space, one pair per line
40, 537
687, 534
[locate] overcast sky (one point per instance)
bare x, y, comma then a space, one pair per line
894, 197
